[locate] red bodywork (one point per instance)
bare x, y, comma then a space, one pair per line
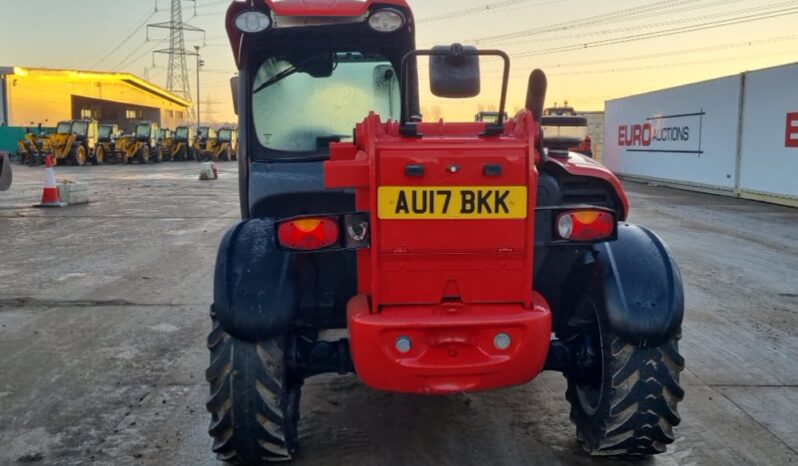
450, 285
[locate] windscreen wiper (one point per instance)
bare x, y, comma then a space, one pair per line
284, 74
276, 78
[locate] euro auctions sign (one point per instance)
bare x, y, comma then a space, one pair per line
792, 130
671, 134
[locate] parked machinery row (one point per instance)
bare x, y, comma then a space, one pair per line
78, 142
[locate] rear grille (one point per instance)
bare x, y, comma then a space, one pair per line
576, 190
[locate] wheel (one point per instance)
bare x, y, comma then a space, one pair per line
77, 156
625, 403
225, 155
156, 155
143, 155
99, 156
254, 401
182, 154
166, 155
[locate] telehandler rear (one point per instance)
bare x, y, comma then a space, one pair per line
458, 257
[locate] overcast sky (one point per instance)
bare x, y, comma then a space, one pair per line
605, 52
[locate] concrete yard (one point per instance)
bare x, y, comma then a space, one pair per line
104, 313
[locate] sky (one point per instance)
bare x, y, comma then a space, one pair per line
591, 50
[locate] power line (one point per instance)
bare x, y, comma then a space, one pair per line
671, 53
670, 65
638, 27
489, 7
664, 33
125, 40
605, 18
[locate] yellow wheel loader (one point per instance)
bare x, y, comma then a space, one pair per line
205, 144
74, 142
183, 144
142, 146
226, 144
165, 143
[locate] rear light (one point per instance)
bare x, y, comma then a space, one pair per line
586, 225
386, 20
308, 234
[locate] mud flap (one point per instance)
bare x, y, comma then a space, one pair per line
5, 172
642, 286
254, 293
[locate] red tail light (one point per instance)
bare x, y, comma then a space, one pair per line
586, 225
308, 234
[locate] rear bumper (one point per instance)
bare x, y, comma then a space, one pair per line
452, 345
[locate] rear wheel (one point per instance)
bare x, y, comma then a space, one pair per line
99, 156
254, 401
182, 154
625, 403
156, 155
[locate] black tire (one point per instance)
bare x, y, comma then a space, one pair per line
627, 407
182, 154
254, 402
99, 156
77, 156
144, 155
156, 155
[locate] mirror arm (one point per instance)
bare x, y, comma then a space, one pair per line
408, 128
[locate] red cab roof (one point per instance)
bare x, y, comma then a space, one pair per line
327, 7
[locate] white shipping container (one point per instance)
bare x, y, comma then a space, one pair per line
769, 162
685, 135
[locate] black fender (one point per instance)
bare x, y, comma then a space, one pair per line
642, 286
254, 293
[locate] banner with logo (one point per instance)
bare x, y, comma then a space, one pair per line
686, 134
769, 162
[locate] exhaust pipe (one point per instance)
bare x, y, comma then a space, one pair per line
536, 93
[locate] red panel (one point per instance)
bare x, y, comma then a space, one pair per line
327, 7
792, 130
452, 346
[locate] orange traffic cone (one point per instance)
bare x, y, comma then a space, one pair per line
50, 191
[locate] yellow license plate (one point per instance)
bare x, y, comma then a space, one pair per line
453, 202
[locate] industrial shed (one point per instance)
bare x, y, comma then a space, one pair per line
33, 96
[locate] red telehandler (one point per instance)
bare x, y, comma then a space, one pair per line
457, 257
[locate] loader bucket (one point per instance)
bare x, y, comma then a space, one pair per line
5, 171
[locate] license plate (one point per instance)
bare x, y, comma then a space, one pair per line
453, 202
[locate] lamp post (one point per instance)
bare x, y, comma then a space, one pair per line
200, 63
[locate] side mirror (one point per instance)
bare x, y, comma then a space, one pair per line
234, 88
536, 93
454, 71
5, 171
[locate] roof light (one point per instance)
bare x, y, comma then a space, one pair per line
386, 20
586, 225
252, 21
308, 234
